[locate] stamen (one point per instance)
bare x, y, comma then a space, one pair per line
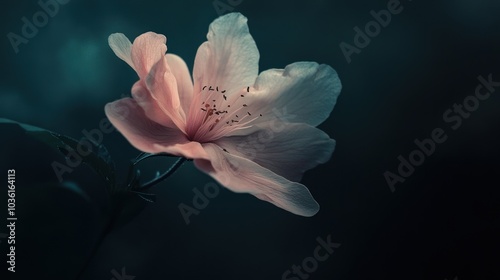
205, 126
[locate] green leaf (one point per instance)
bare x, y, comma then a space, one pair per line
98, 159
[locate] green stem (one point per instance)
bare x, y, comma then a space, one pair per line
164, 176
117, 205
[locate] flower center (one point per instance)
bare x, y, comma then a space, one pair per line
215, 112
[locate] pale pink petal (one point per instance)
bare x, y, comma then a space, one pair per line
148, 55
151, 43
242, 175
148, 136
121, 46
229, 59
303, 92
286, 149
146, 51
162, 85
183, 77
150, 106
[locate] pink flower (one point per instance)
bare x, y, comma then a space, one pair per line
252, 133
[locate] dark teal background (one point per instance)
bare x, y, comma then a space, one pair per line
442, 222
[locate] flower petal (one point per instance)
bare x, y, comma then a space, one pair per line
147, 50
148, 56
162, 85
183, 77
286, 149
242, 175
150, 106
121, 46
303, 92
230, 58
148, 136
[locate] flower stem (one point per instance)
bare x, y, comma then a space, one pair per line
118, 205
143, 156
107, 229
133, 175
164, 176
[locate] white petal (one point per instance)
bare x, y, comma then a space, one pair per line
121, 46
241, 175
303, 92
229, 59
287, 150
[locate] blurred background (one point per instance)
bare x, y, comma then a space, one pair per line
442, 222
